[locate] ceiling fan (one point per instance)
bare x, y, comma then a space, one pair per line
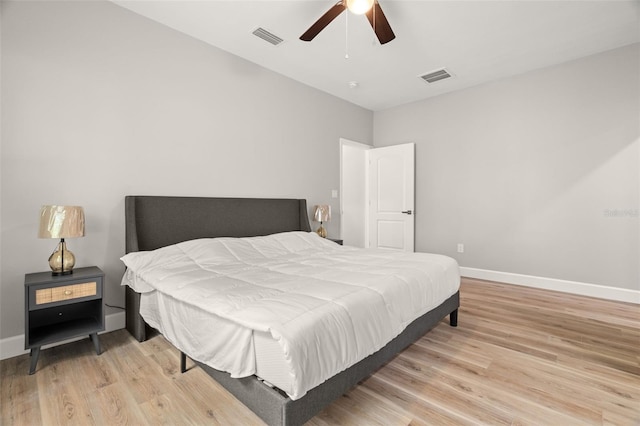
369, 7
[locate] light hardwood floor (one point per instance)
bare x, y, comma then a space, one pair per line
518, 356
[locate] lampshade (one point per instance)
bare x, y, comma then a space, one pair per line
61, 222
322, 213
359, 7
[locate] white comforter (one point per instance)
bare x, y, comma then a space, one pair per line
327, 305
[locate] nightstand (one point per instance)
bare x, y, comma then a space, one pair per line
337, 241
60, 307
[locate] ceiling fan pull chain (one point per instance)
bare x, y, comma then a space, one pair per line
346, 36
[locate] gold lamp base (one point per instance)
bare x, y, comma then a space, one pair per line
62, 260
322, 232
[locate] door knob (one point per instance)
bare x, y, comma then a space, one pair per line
407, 212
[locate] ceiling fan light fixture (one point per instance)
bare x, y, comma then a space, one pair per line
360, 7
371, 8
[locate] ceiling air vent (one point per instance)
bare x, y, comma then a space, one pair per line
267, 36
437, 75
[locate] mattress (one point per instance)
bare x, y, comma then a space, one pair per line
291, 308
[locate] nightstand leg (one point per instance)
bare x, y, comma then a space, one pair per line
96, 342
35, 353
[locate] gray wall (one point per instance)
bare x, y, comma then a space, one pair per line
98, 103
535, 174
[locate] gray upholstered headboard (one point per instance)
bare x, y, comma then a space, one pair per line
152, 222
155, 221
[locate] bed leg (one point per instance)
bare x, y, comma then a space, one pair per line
453, 318
183, 362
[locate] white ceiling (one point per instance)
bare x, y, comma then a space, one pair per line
477, 41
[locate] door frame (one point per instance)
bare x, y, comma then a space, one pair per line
362, 233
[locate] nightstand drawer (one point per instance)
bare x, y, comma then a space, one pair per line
67, 292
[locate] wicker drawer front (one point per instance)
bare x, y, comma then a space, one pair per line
67, 292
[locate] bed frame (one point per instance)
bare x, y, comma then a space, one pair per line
157, 221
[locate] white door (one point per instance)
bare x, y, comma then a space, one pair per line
391, 197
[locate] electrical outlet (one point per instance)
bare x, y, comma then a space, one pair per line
460, 248
334, 193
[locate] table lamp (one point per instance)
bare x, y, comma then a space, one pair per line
322, 214
61, 222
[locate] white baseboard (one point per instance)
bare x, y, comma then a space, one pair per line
574, 287
14, 346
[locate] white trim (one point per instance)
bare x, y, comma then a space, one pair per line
14, 346
364, 147
574, 287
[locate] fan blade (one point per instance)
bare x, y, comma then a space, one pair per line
380, 25
324, 20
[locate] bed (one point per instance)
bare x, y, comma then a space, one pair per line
157, 222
